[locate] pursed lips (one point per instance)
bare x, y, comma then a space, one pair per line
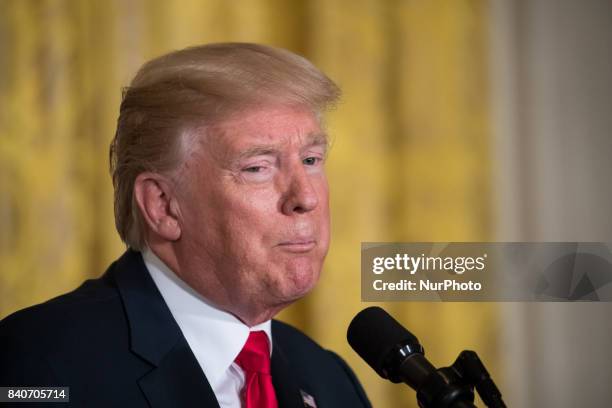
299, 245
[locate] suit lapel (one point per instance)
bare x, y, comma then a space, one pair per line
176, 379
286, 385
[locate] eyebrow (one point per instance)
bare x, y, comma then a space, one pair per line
313, 139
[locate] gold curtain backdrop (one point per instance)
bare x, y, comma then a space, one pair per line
410, 159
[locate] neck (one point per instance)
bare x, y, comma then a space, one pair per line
253, 319
250, 313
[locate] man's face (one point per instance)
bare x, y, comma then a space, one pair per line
254, 208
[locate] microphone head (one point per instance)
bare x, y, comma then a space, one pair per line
377, 337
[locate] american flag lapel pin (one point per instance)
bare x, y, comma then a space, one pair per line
308, 399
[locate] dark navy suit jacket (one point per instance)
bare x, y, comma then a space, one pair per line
114, 342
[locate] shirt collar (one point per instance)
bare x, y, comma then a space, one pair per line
214, 335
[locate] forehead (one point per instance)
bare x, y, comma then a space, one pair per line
269, 126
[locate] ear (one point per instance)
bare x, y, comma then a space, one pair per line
158, 205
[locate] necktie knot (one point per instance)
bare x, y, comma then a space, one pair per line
254, 359
255, 355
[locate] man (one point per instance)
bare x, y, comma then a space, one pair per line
222, 199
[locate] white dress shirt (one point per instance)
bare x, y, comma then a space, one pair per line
214, 336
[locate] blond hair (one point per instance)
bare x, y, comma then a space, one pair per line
192, 88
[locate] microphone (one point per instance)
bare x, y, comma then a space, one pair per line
396, 355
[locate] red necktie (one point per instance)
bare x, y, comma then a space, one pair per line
254, 359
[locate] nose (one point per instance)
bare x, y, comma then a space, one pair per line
301, 196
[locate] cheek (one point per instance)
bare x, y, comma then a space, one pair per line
324, 211
249, 221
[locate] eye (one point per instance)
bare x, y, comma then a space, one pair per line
258, 172
311, 161
253, 169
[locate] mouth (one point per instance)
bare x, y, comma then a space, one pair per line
298, 246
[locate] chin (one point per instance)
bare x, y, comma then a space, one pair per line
298, 282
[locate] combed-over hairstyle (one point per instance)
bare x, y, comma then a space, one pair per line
195, 87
